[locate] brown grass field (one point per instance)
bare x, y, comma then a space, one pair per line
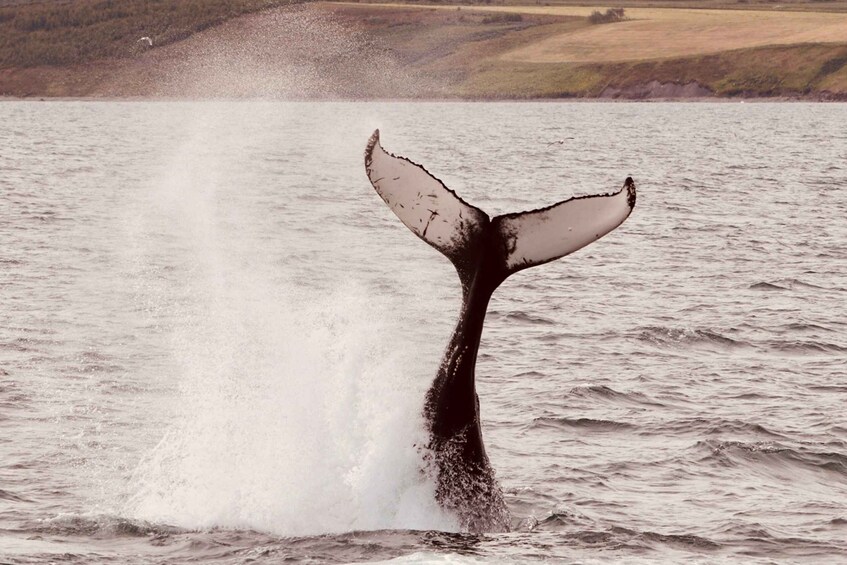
366, 50
657, 33
763, 5
727, 52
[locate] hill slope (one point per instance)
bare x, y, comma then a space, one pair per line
337, 50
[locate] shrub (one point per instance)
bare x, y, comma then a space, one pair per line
612, 15
502, 18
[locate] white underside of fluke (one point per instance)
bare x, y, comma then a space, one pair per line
441, 218
432, 211
543, 235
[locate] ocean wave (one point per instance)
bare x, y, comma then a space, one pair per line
758, 541
711, 427
828, 388
660, 336
13, 399
216, 544
748, 396
769, 453
805, 327
604, 393
798, 347
563, 517
581, 533
667, 336
98, 526
797, 283
26, 345
521, 317
790, 284
767, 286
12, 497
580, 423
688, 541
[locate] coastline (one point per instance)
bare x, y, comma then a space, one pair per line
826, 98
350, 51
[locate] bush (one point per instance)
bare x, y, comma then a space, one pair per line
612, 15
502, 19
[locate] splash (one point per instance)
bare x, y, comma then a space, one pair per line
293, 419
294, 410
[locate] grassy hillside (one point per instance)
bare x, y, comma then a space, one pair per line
656, 33
807, 70
555, 51
725, 53
398, 50
62, 33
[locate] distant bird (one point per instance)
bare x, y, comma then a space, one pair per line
558, 142
146, 40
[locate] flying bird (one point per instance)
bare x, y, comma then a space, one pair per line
146, 40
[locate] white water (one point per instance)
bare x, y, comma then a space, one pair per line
293, 410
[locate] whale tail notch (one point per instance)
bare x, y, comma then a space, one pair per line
457, 229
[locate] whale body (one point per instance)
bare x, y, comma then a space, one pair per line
484, 251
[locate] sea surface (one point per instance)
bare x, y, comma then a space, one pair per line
215, 338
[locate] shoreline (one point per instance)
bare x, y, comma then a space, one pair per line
369, 52
445, 100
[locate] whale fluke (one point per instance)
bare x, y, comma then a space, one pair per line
440, 217
544, 235
424, 204
485, 252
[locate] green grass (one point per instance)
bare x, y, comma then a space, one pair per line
63, 33
795, 70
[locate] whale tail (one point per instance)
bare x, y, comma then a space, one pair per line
457, 229
485, 252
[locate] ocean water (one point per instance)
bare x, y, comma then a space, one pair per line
215, 338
